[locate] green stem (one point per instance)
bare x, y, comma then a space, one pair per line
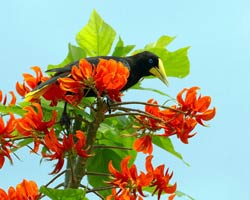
100, 189
97, 174
111, 147
71, 159
144, 103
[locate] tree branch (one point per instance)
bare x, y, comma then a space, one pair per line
80, 165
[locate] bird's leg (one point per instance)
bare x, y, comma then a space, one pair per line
65, 120
108, 102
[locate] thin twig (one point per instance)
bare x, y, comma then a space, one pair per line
57, 176
100, 189
134, 114
97, 174
111, 147
95, 192
144, 103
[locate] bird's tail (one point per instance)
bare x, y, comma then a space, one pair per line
38, 91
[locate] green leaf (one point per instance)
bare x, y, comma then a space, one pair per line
11, 109
121, 50
182, 194
166, 144
176, 63
162, 42
97, 37
65, 194
74, 53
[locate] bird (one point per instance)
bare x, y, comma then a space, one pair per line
139, 65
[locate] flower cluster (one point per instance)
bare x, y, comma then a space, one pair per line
108, 77
6, 130
68, 145
130, 184
177, 120
32, 125
24, 190
86, 79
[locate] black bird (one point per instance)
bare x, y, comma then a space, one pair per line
139, 65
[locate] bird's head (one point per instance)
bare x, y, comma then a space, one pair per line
150, 64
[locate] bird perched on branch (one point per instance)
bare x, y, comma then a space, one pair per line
139, 65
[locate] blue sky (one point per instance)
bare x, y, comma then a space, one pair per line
37, 33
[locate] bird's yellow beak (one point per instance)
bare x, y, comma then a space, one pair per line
159, 72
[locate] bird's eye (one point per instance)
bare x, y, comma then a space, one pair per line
150, 61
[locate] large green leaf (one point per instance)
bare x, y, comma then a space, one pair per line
166, 144
176, 63
74, 53
121, 50
99, 163
97, 37
65, 194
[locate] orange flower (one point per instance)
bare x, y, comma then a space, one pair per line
84, 72
111, 76
24, 190
153, 123
196, 106
179, 120
82, 76
5, 135
71, 85
128, 181
32, 121
144, 144
74, 90
190, 98
161, 179
178, 123
60, 149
